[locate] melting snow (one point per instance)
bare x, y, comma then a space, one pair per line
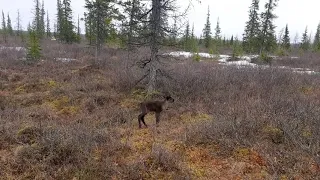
240, 63
13, 48
65, 59
244, 61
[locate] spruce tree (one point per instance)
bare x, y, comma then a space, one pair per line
252, 31
48, 29
18, 26
174, 33
55, 30
316, 41
4, 28
268, 41
9, 26
286, 39
33, 49
207, 31
37, 18
305, 43
186, 38
217, 35
231, 40
224, 41
59, 19
67, 34
42, 29
89, 27
194, 44
133, 29
237, 48
101, 15
78, 31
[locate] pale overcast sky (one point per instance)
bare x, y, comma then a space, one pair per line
232, 13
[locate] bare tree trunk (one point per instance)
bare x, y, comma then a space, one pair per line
154, 46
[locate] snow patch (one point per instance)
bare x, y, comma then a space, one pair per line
240, 63
13, 48
243, 62
189, 54
65, 59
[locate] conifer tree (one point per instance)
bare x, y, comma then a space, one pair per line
217, 35
286, 39
89, 27
59, 19
48, 29
305, 43
237, 49
9, 26
42, 29
194, 44
207, 31
33, 49
174, 33
37, 18
268, 41
55, 30
186, 38
224, 41
18, 26
252, 31
316, 41
231, 40
133, 29
101, 13
66, 34
78, 30
4, 28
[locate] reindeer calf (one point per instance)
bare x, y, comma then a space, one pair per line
153, 106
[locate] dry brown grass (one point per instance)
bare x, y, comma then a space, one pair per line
79, 121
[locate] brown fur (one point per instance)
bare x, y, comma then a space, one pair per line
152, 106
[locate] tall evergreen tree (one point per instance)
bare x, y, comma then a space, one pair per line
194, 44
231, 40
55, 30
316, 41
18, 26
78, 30
89, 26
268, 40
286, 39
186, 38
48, 29
59, 19
9, 26
217, 35
4, 28
101, 14
305, 42
42, 25
207, 31
134, 28
37, 18
33, 49
67, 33
252, 31
174, 33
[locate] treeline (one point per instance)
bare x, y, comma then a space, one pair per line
123, 22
